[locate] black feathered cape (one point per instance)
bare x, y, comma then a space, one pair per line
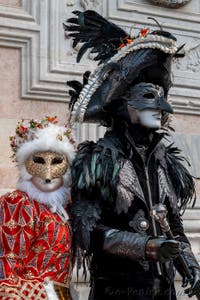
109, 176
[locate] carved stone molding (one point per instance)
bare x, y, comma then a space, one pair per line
91, 4
191, 61
190, 146
135, 12
87, 131
170, 3
48, 59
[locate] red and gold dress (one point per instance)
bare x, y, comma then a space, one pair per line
35, 247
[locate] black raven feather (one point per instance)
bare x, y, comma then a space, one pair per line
85, 215
181, 179
77, 87
97, 34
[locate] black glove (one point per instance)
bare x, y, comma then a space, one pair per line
180, 270
161, 249
195, 270
195, 288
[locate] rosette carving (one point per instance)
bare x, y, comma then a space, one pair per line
170, 3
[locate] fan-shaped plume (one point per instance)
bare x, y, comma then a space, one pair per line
102, 36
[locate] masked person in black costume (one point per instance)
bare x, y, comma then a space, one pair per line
118, 180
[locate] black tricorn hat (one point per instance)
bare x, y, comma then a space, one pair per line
123, 61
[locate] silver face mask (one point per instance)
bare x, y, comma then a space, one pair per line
144, 96
145, 104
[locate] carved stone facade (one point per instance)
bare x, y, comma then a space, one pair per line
48, 59
170, 3
36, 60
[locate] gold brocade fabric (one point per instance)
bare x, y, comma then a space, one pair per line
35, 242
26, 290
31, 291
62, 292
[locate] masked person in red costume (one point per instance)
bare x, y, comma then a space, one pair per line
35, 248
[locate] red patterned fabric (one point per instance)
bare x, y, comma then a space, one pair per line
35, 244
26, 290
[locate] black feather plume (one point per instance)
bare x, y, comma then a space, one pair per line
76, 88
97, 34
181, 179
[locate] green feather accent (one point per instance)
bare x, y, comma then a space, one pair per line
98, 171
115, 170
93, 168
81, 182
87, 175
81, 19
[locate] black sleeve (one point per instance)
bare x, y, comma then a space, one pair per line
121, 243
90, 235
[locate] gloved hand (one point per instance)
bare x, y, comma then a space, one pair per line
195, 288
180, 270
161, 249
185, 281
193, 265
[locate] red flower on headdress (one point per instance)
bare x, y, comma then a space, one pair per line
144, 32
22, 129
125, 42
53, 120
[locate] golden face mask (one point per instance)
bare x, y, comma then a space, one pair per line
47, 165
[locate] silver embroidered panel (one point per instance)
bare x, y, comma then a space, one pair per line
127, 188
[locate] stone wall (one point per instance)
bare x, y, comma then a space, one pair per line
36, 60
